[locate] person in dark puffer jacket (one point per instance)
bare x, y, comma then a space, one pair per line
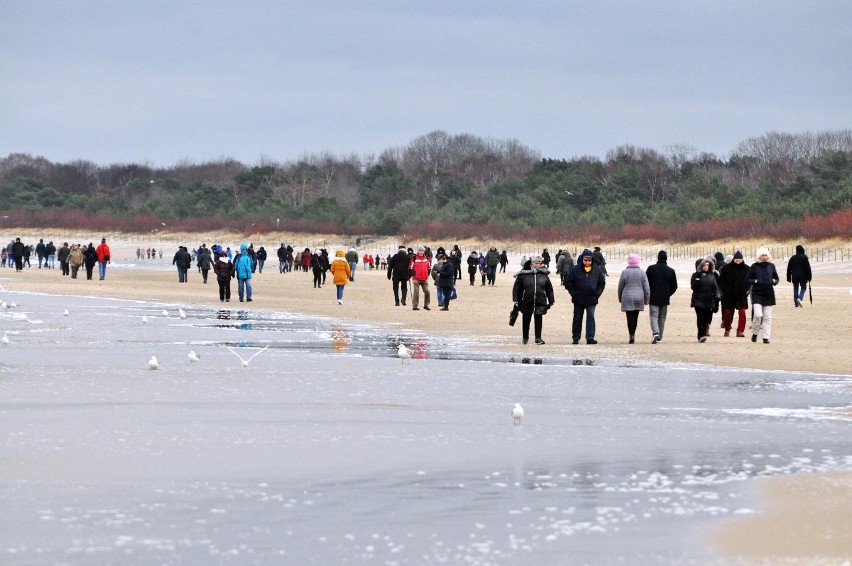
705, 296
532, 293
586, 283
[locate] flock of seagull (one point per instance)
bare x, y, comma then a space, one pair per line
402, 352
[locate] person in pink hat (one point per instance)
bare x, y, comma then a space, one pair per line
633, 293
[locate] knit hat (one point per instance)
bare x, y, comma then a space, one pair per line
728, 258
586, 253
761, 251
633, 259
662, 256
421, 249
243, 247
738, 254
536, 259
402, 248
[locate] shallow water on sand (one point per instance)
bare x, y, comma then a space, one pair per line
328, 449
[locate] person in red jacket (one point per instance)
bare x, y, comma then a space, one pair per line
420, 268
103, 257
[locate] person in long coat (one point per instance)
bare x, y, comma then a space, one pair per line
705, 296
532, 293
732, 281
634, 293
762, 277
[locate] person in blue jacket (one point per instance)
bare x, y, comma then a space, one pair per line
243, 267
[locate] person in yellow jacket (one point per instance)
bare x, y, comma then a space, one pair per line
341, 271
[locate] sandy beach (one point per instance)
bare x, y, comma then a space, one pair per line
803, 519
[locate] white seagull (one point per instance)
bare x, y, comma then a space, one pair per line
246, 362
517, 413
181, 313
193, 357
403, 353
153, 363
65, 312
5, 339
165, 313
13, 305
3, 304
144, 319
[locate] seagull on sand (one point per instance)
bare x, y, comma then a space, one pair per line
153, 363
517, 413
193, 357
5, 339
65, 313
144, 319
181, 313
165, 313
403, 353
246, 362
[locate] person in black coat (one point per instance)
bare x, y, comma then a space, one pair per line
182, 261
705, 296
472, 266
18, 254
663, 283
732, 282
762, 277
504, 261
446, 280
399, 273
90, 258
532, 293
261, 258
586, 283
799, 274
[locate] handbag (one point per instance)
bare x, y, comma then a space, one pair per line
513, 315
453, 294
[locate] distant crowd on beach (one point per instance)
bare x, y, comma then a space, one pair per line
727, 285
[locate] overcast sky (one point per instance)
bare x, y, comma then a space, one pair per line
167, 81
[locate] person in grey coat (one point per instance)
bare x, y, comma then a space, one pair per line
633, 293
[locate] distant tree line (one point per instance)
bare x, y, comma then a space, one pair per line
459, 180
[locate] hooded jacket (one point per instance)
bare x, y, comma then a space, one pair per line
533, 290
223, 268
243, 265
799, 267
705, 289
585, 287
340, 268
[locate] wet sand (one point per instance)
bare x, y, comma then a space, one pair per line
805, 519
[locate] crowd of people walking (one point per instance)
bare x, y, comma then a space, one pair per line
726, 285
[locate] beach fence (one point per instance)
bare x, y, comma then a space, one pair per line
683, 252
